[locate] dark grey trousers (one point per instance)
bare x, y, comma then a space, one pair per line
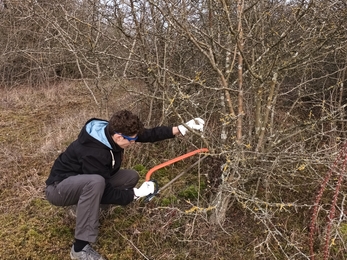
86, 191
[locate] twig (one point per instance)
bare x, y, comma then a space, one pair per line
131, 242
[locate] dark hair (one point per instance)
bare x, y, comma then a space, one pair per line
126, 123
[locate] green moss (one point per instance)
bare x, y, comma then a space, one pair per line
190, 192
167, 201
40, 203
32, 233
142, 170
61, 231
116, 211
202, 185
24, 228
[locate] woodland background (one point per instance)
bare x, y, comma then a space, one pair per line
266, 75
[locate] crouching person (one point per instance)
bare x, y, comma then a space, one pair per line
88, 173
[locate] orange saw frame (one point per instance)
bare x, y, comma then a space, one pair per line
179, 158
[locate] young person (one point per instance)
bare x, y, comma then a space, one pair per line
88, 173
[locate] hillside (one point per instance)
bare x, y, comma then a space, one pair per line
36, 125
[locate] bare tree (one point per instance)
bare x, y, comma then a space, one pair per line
268, 77
275, 85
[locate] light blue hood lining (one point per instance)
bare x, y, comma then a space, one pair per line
96, 129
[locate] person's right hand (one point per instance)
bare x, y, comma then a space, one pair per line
145, 189
196, 124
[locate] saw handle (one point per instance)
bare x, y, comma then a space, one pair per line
184, 156
149, 197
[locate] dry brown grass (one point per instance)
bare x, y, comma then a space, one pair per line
36, 125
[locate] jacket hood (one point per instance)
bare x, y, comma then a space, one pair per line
96, 129
95, 133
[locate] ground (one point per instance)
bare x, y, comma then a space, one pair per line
37, 124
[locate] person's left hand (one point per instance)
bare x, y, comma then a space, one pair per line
145, 189
196, 124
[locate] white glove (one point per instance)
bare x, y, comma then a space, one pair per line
196, 124
145, 189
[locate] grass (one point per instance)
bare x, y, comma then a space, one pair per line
37, 125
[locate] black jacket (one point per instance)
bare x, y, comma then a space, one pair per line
95, 152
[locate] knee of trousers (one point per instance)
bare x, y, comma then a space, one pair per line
134, 176
96, 183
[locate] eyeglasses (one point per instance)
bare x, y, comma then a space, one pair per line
128, 137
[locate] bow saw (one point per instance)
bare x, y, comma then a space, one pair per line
162, 165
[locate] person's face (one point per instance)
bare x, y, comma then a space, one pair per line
124, 141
